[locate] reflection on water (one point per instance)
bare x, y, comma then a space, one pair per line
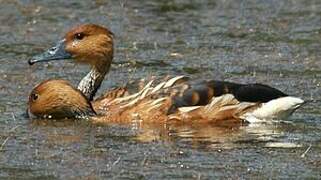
213, 136
204, 136
273, 42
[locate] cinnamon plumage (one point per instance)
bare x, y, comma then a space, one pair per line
175, 99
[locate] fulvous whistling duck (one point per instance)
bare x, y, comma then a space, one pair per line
175, 98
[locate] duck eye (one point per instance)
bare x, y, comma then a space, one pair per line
79, 36
34, 96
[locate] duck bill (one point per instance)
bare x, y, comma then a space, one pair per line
57, 52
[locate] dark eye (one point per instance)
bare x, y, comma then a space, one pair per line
79, 36
34, 96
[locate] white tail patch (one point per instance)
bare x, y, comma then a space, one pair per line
280, 108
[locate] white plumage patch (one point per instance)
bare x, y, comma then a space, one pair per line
148, 90
280, 108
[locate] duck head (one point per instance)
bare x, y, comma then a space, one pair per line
58, 99
89, 43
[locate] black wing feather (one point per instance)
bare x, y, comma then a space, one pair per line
246, 92
242, 92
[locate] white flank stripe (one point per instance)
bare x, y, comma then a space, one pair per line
188, 109
172, 81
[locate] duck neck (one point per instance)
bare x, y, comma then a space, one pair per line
92, 81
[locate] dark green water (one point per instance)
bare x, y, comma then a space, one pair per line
273, 42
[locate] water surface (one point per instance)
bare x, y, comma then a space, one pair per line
272, 42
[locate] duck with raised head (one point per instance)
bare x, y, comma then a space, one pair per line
89, 44
93, 44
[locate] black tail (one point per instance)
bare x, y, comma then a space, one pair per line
202, 92
246, 92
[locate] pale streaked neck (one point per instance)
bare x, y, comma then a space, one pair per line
92, 81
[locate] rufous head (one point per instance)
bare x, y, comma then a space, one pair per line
89, 43
58, 99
